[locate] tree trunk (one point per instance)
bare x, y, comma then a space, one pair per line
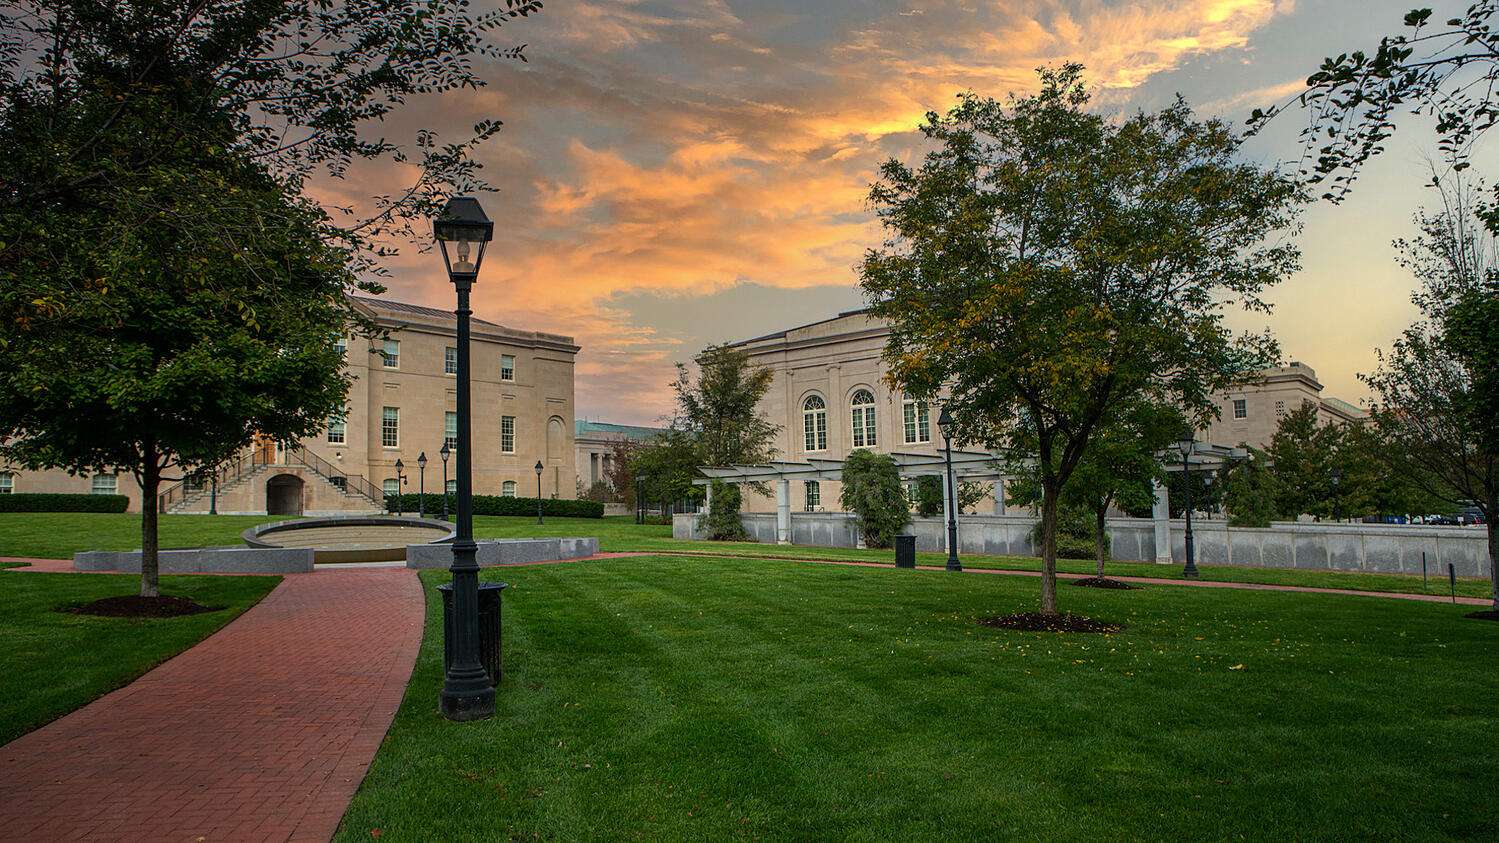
1494, 551
150, 560
1101, 536
1049, 494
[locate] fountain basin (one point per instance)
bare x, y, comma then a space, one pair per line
377, 538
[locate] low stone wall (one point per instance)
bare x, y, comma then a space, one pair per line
1388, 548
504, 552
208, 560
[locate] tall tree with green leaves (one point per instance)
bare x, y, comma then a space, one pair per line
1047, 266
1304, 453
720, 406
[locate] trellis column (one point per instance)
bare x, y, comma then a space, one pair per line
783, 511
1160, 513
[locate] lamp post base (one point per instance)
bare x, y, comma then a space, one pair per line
467, 698
954, 565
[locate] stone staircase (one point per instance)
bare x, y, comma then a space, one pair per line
242, 487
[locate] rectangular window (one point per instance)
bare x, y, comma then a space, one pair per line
918, 422
390, 486
864, 429
1241, 408
103, 484
814, 495
390, 427
338, 428
507, 367
450, 429
507, 489
7, 482
390, 354
507, 434
450, 360
452, 487
342, 344
1280, 408
341, 483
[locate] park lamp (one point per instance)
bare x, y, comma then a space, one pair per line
1187, 439
400, 466
444, 452
944, 423
1337, 477
421, 460
462, 233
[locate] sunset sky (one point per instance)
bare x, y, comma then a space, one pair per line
674, 173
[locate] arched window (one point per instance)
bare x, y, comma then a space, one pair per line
507, 489
815, 423
863, 419
918, 424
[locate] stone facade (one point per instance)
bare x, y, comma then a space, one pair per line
594, 444
399, 408
839, 360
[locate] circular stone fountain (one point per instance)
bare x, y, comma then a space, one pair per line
376, 538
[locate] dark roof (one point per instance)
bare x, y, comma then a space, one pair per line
410, 309
786, 331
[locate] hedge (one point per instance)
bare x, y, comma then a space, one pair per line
497, 505
62, 502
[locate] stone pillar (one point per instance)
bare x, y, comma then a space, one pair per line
708, 497
783, 511
999, 496
943, 524
1160, 512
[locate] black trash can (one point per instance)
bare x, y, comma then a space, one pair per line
489, 627
905, 551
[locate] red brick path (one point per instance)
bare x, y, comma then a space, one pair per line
261, 732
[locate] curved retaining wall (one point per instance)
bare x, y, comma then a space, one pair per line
504, 552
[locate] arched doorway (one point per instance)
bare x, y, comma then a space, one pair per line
283, 495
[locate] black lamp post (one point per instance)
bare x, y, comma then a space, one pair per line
444, 454
463, 232
640, 483
944, 426
400, 484
421, 485
1185, 444
539, 468
213, 495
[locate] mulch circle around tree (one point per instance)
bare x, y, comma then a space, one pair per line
135, 606
1104, 582
1036, 622
1485, 615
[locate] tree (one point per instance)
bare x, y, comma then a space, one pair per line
721, 408
1429, 407
666, 465
1047, 266
723, 522
929, 498
1249, 491
618, 472
872, 492
1446, 71
1304, 454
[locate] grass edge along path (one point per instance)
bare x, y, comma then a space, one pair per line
655, 698
54, 662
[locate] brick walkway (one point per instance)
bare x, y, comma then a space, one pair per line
261, 732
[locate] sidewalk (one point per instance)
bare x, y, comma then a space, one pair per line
262, 731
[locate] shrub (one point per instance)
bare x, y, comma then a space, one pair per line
929, 500
1075, 527
872, 492
722, 523
498, 505
61, 502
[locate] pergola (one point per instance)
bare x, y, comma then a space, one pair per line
966, 465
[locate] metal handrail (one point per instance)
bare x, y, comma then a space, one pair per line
252, 459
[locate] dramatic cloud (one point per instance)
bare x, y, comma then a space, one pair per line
656, 151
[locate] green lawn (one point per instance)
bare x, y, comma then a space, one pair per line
670, 698
60, 535
52, 662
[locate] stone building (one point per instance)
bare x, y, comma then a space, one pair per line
829, 396
401, 405
595, 442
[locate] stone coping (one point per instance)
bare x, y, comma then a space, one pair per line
493, 552
204, 560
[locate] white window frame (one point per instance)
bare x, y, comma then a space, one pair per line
916, 419
95, 489
812, 492
390, 423
450, 429
342, 344
390, 486
1241, 408
507, 436
7, 482
507, 489
338, 426
450, 360
510, 377
452, 486
390, 354
863, 420
814, 424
